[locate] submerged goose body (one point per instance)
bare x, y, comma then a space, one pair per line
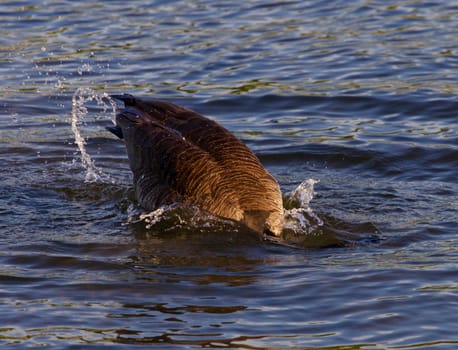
178, 155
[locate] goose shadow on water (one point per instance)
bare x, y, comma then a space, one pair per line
189, 171
170, 225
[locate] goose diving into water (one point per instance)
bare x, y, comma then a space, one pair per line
179, 156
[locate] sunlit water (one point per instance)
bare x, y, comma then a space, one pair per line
350, 105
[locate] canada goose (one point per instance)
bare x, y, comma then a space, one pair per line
178, 155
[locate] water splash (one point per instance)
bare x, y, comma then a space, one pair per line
79, 114
299, 216
134, 215
303, 194
300, 219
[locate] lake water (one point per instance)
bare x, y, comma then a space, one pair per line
359, 95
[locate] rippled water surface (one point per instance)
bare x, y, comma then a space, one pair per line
360, 95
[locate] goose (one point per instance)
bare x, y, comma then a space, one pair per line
177, 155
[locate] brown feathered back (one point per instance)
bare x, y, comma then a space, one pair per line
179, 155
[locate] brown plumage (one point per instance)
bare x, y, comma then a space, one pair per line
178, 155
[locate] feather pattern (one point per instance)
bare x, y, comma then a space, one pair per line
178, 155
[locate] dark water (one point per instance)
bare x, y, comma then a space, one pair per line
360, 95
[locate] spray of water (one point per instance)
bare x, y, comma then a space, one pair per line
79, 114
149, 218
299, 216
